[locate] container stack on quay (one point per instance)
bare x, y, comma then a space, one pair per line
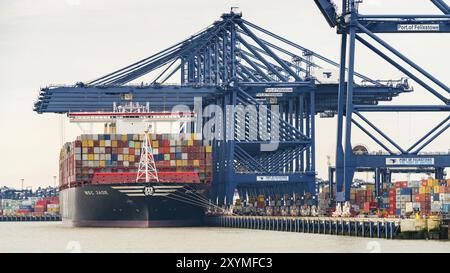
89, 155
275, 205
33, 206
324, 201
426, 197
363, 200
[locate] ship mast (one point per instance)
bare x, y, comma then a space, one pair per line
147, 167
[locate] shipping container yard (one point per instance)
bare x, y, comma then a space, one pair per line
256, 158
227, 130
28, 205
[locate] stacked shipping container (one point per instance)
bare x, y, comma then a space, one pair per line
31, 206
426, 197
363, 199
115, 153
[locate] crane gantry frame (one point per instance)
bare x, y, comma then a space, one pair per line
234, 63
352, 25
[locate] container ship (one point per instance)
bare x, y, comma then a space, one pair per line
135, 180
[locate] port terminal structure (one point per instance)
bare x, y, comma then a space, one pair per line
355, 27
235, 62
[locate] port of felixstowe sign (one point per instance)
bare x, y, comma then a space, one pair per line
418, 27
410, 161
272, 178
275, 91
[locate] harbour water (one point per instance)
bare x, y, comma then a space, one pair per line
54, 237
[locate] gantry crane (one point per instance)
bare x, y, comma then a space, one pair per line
355, 27
274, 86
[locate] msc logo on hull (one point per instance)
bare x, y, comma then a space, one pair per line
147, 190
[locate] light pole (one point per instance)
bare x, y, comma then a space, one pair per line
54, 181
22, 182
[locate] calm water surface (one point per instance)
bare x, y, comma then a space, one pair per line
54, 237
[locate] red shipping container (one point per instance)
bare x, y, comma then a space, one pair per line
424, 183
131, 151
366, 207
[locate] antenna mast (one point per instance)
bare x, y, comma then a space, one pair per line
147, 167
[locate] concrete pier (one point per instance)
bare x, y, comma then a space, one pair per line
360, 227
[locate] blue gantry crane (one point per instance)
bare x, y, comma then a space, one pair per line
260, 91
355, 27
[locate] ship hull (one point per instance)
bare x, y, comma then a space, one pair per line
134, 205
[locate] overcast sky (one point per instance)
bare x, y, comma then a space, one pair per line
64, 41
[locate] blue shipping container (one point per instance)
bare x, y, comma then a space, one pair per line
406, 191
446, 208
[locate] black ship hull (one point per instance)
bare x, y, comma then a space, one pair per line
134, 205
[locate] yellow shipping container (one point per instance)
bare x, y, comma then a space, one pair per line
125, 157
190, 142
137, 145
84, 143
196, 163
131, 158
432, 182
179, 163
102, 163
124, 138
102, 143
436, 189
423, 189
90, 157
90, 143
114, 143
155, 144
208, 149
